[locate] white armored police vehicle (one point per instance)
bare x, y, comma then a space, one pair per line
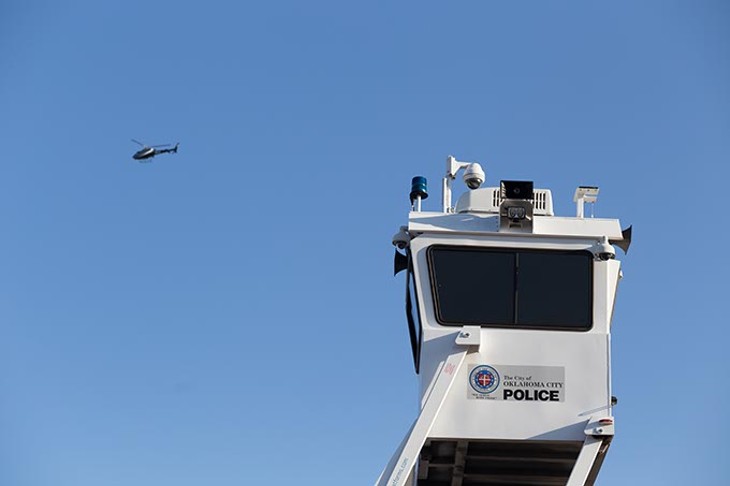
509, 313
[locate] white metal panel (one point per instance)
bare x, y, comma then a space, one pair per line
442, 222
584, 355
476, 223
585, 362
488, 200
563, 226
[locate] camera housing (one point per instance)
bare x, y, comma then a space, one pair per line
604, 251
474, 176
401, 239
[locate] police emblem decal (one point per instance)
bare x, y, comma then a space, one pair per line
484, 379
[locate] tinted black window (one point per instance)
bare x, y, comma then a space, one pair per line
554, 289
512, 287
473, 286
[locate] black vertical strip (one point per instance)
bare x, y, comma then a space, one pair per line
419, 331
409, 316
517, 288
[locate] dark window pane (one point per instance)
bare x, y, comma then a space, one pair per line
554, 289
524, 288
473, 286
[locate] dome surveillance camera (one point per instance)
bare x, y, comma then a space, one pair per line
474, 176
604, 251
401, 239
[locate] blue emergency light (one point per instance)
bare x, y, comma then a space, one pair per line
418, 188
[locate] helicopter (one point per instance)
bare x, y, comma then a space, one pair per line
149, 151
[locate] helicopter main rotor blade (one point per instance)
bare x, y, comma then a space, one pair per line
138, 143
163, 145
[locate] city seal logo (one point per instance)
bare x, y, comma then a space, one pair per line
484, 379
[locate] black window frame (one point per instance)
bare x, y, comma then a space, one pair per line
514, 250
415, 327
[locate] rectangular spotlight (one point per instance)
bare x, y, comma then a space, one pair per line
516, 190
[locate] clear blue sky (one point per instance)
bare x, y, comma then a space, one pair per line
228, 315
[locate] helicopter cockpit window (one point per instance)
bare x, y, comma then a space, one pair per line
512, 288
